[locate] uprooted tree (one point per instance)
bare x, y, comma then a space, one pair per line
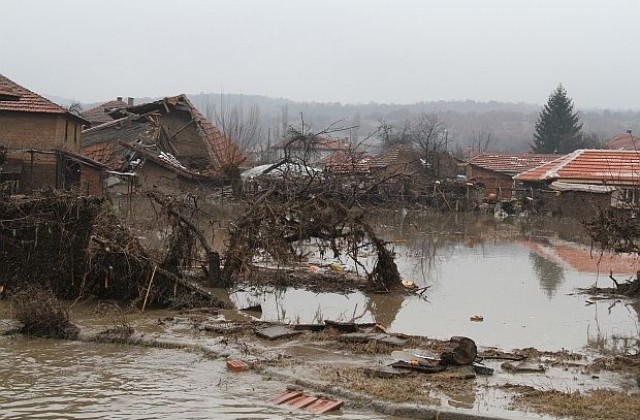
76, 246
295, 213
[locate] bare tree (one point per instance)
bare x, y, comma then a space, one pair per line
243, 127
481, 140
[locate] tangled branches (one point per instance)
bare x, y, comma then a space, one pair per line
615, 232
41, 313
621, 234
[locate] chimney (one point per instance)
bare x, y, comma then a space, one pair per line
628, 131
119, 99
130, 101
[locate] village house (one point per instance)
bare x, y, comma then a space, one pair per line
101, 114
494, 171
42, 140
350, 163
164, 144
626, 141
585, 181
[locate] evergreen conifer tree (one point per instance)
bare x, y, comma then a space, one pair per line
558, 129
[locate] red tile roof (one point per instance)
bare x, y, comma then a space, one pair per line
100, 114
222, 148
613, 167
626, 141
509, 163
23, 100
343, 162
392, 155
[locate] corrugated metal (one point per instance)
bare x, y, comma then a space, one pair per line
614, 167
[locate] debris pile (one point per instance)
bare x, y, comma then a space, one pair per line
76, 247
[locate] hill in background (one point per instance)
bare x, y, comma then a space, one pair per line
511, 125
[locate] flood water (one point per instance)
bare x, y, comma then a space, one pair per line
520, 276
49, 379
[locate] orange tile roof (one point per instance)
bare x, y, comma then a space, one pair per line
23, 100
392, 155
100, 114
221, 147
343, 162
626, 141
600, 166
509, 163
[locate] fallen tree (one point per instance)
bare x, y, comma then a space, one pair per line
299, 212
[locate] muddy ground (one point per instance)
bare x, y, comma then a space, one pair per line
525, 382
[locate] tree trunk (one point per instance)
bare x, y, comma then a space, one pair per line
462, 351
215, 276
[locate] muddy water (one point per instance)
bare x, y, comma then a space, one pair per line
50, 379
521, 277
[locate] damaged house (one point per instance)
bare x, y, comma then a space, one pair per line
42, 142
165, 144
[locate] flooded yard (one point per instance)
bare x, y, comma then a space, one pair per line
508, 284
521, 277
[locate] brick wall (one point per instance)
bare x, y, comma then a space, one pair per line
24, 130
91, 180
494, 182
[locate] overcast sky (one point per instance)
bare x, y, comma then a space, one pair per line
338, 51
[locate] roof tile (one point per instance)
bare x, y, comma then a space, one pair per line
586, 165
25, 101
510, 164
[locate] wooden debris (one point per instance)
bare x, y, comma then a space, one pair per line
462, 351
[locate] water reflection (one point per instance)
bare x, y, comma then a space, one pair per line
520, 276
550, 274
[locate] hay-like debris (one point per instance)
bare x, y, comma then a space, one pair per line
41, 313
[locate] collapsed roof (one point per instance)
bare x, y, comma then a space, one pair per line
170, 132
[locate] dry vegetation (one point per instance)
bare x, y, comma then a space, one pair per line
598, 404
41, 314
